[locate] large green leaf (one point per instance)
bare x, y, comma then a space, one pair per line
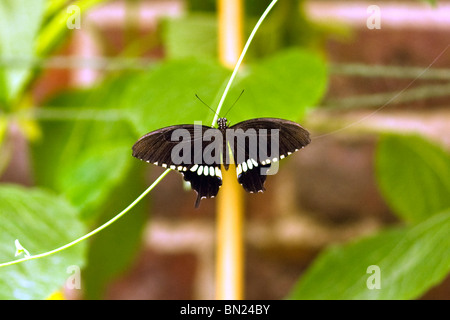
85, 158
88, 158
19, 24
413, 175
410, 260
87, 180
114, 249
165, 95
285, 85
199, 28
42, 222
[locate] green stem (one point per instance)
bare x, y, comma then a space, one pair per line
90, 234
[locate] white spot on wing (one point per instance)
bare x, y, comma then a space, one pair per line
218, 173
249, 164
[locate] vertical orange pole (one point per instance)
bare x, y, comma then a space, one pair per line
230, 242
230, 215
230, 31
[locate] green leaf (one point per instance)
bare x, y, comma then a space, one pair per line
41, 221
413, 176
55, 29
166, 95
85, 159
19, 24
410, 260
199, 28
113, 250
86, 179
285, 85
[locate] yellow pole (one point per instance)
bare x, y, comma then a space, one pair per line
230, 242
230, 31
230, 215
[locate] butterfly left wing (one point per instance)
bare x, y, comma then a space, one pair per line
279, 137
158, 147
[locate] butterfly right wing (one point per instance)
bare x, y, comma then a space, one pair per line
251, 168
180, 148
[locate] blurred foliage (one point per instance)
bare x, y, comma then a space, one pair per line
42, 221
81, 158
199, 28
410, 260
116, 247
413, 175
431, 2
287, 26
84, 173
19, 25
284, 85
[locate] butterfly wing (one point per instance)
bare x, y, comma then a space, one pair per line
180, 148
278, 137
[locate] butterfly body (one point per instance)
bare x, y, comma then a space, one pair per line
198, 151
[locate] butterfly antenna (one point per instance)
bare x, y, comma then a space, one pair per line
233, 104
206, 104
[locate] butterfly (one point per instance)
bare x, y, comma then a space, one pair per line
198, 152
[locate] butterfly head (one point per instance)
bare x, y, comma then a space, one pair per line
222, 123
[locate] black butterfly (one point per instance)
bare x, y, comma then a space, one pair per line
256, 144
